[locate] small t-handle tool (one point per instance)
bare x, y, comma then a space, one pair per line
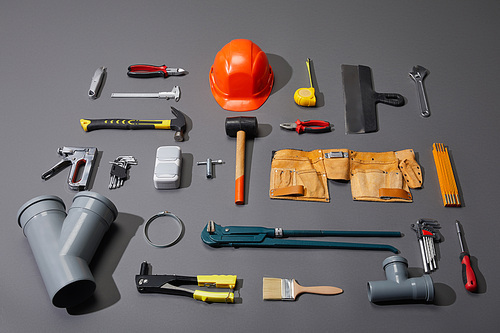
468, 274
305, 96
418, 74
210, 166
171, 284
77, 157
177, 124
144, 71
308, 126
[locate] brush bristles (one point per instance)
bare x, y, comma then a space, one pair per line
271, 289
275, 289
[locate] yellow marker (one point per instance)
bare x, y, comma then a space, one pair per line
305, 96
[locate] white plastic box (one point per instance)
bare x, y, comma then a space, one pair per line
167, 174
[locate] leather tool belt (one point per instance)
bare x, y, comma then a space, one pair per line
303, 175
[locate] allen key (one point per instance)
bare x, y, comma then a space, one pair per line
427, 235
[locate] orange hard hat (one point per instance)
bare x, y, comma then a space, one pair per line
241, 78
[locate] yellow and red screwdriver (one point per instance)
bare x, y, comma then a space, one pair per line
468, 274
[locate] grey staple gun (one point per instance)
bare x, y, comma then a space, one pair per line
78, 158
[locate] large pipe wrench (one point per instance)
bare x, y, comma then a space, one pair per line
78, 158
238, 236
177, 124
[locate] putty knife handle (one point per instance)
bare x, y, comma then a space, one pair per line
390, 99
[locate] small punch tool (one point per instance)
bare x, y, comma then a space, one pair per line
147, 71
171, 284
218, 236
308, 126
77, 157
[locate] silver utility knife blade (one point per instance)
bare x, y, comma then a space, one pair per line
96, 83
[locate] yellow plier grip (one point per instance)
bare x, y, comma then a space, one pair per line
215, 297
218, 281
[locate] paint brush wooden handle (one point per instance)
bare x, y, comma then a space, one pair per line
322, 290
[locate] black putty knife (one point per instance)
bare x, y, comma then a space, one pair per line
360, 99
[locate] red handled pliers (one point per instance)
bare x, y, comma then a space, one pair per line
308, 126
147, 71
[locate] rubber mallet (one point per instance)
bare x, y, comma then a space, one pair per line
240, 127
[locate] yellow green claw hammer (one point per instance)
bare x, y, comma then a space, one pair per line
171, 284
177, 124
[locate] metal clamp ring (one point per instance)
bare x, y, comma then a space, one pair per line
148, 223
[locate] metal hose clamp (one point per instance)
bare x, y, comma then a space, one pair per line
160, 214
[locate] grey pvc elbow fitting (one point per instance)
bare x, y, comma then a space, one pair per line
398, 287
63, 244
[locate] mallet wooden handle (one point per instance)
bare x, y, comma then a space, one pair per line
241, 128
239, 180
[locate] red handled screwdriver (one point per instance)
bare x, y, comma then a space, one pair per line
467, 272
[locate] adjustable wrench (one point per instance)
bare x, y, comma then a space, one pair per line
418, 74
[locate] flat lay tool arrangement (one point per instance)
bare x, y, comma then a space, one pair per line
241, 79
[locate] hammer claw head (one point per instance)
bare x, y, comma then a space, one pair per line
178, 124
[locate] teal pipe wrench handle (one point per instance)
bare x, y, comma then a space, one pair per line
217, 236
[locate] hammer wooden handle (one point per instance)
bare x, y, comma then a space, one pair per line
239, 180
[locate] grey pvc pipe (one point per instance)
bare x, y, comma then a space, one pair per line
64, 244
398, 287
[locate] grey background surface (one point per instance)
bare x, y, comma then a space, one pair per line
49, 52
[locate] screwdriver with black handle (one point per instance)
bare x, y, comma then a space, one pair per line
468, 275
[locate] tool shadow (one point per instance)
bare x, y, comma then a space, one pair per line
282, 71
105, 261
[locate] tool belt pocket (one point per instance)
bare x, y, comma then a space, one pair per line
337, 164
411, 173
298, 175
377, 177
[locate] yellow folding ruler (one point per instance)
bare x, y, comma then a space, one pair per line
447, 181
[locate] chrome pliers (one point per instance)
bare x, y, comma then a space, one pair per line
170, 284
308, 126
147, 71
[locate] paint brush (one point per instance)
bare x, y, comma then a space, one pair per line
275, 289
